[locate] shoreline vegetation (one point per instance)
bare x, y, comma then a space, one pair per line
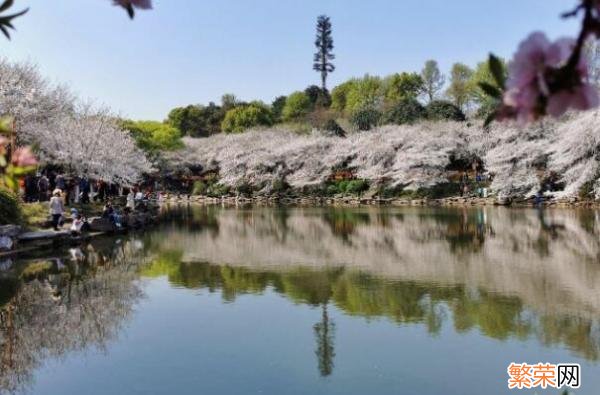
552, 161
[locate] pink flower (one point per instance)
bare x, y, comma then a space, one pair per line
141, 4
528, 87
582, 97
23, 157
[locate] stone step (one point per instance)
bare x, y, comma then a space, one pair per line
44, 235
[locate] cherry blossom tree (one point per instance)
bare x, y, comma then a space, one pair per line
90, 142
66, 132
520, 159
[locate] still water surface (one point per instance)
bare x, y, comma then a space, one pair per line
307, 301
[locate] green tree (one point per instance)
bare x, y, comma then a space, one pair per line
296, 106
324, 54
406, 111
460, 89
153, 136
318, 97
433, 79
442, 110
325, 335
214, 115
364, 93
398, 87
277, 108
229, 101
483, 74
238, 119
339, 95
196, 120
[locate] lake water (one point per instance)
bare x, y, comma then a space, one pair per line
308, 301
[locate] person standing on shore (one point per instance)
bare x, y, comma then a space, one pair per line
57, 208
84, 189
43, 186
131, 200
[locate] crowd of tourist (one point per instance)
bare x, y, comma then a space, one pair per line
60, 191
39, 188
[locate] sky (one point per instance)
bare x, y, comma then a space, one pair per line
193, 51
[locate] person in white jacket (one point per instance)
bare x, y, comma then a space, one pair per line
131, 200
57, 208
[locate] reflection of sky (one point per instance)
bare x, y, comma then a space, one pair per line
190, 342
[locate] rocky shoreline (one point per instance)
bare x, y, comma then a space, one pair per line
457, 201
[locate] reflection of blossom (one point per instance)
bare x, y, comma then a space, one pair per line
531, 72
47, 321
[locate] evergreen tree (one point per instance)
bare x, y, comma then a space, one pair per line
325, 334
324, 44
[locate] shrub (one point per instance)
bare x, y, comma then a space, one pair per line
244, 188
239, 119
356, 187
332, 190
387, 191
441, 110
217, 190
406, 111
10, 210
279, 186
342, 185
323, 119
200, 188
366, 118
297, 106
332, 126
347, 187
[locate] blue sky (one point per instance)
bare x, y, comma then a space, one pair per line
193, 51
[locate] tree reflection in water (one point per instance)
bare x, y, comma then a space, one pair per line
508, 274
325, 333
505, 272
74, 302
